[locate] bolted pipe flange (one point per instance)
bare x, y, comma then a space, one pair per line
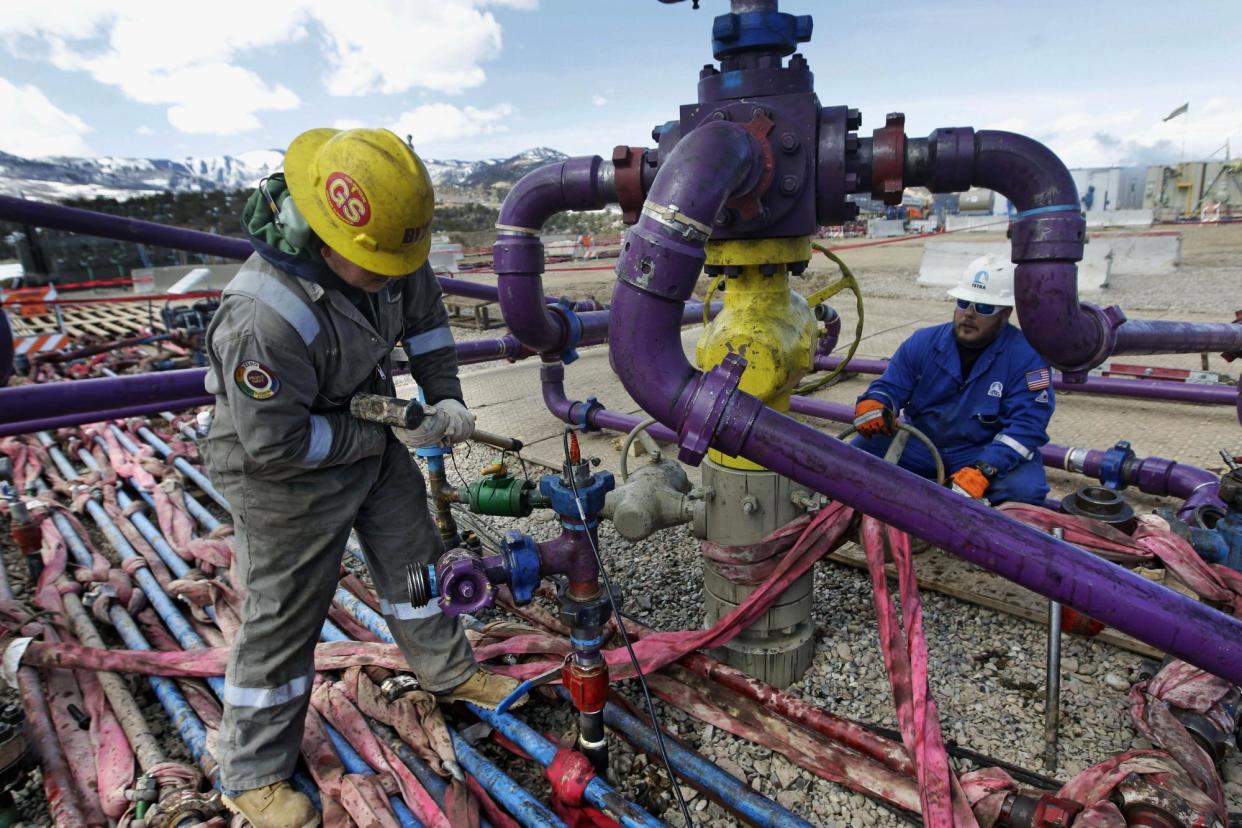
834, 155
464, 585
1102, 504
749, 203
628, 163
888, 159
706, 408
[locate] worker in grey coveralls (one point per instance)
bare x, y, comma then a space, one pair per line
306, 323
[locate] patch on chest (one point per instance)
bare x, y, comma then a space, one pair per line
256, 380
996, 389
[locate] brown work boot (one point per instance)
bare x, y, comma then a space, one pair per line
274, 806
484, 689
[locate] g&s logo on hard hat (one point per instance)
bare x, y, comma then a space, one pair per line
981, 280
347, 199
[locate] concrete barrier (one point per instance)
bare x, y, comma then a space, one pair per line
1120, 218
1147, 254
444, 257
945, 261
885, 228
959, 224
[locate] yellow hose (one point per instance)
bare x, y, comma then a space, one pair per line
707, 300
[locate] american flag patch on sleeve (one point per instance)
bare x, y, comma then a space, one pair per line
1038, 380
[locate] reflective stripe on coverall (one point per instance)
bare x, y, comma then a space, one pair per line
300, 472
998, 415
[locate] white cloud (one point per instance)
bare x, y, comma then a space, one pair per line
599, 100
144, 130
348, 123
440, 123
154, 54
392, 46
34, 126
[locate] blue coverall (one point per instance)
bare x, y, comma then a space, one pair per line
998, 415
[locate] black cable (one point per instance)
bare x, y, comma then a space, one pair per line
638, 670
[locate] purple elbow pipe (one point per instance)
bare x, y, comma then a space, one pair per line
1152, 475
552, 376
657, 270
1047, 237
569, 554
583, 183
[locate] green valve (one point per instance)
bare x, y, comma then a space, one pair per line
502, 495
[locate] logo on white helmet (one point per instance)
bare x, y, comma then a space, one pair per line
347, 199
980, 281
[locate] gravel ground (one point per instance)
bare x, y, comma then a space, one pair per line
986, 671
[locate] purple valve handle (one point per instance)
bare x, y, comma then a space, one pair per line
463, 583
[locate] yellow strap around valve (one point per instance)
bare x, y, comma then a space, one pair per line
847, 280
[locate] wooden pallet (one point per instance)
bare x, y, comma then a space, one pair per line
108, 321
941, 572
475, 313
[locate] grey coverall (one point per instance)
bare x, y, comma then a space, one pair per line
300, 472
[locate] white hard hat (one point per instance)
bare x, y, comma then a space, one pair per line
988, 279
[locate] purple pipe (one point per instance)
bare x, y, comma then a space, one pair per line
6, 349
583, 183
657, 271
1139, 389
88, 222
76, 220
1165, 337
479, 290
552, 376
1151, 475
74, 401
27, 402
84, 417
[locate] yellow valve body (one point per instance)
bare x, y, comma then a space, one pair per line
764, 321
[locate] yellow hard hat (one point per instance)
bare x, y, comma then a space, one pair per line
365, 194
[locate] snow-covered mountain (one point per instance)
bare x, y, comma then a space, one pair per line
59, 178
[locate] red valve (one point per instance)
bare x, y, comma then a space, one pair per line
587, 686
1078, 624
28, 535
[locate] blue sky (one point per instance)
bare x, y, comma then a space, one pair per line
485, 78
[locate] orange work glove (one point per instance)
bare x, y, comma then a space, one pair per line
873, 418
970, 482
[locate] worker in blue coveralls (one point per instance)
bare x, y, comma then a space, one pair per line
976, 388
